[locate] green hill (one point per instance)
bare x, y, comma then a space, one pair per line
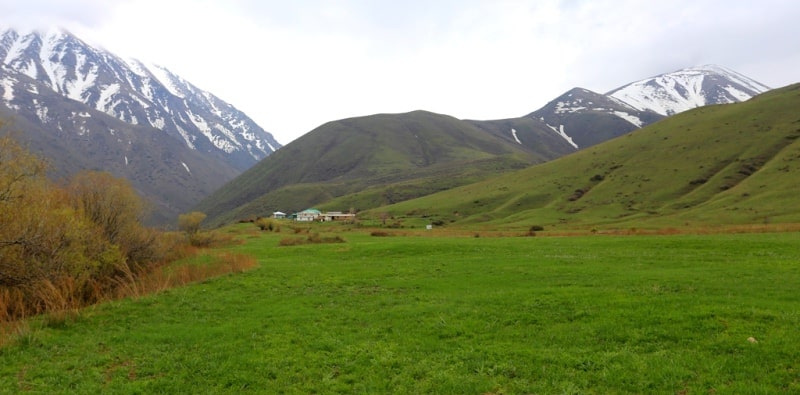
366, 162
724, 164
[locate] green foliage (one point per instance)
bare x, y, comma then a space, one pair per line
313, 238
408, 315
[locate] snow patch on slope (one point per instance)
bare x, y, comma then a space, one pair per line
77, 87
630, 118
8, 89
560, 132
167, 79
106, 94
514, 133
739, 95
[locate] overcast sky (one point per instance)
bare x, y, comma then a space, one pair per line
293, 65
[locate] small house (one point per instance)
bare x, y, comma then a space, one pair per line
278, 215
307, 215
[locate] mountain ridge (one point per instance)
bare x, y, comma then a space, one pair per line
585, 117
88, 109
684, 89
135, 93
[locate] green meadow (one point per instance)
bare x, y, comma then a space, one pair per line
443, 314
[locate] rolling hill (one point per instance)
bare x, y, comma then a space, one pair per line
721, 164
367, 162
380, 159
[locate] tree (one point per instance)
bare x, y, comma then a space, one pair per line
109, 202
117, 209
190, 222
17, 168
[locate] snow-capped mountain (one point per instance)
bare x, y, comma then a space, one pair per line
585, 118
685, 89
130, 91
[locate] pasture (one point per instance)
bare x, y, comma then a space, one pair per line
447, 315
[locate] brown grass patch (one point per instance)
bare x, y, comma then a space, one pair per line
62, 300
172, 276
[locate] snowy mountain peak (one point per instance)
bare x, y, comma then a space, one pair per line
684, 89
131, 91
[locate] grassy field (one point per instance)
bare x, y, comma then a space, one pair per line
447, 315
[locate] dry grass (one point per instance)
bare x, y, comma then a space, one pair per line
60, 301
169, 276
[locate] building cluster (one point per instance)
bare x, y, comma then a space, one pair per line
311, 214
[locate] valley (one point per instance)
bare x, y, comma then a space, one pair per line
638, 241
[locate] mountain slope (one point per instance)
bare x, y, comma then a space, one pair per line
587, 118
136, 94
86, 108
74, 138
352, 155
728, 164
685, 89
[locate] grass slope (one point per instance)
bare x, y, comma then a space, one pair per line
446, 315
352, 155
724, 164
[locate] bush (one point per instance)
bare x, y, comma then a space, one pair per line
62, 247
210, 239
190, 222
267, 224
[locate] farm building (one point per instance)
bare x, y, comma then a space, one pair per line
310, 214
278, 215
337, 216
